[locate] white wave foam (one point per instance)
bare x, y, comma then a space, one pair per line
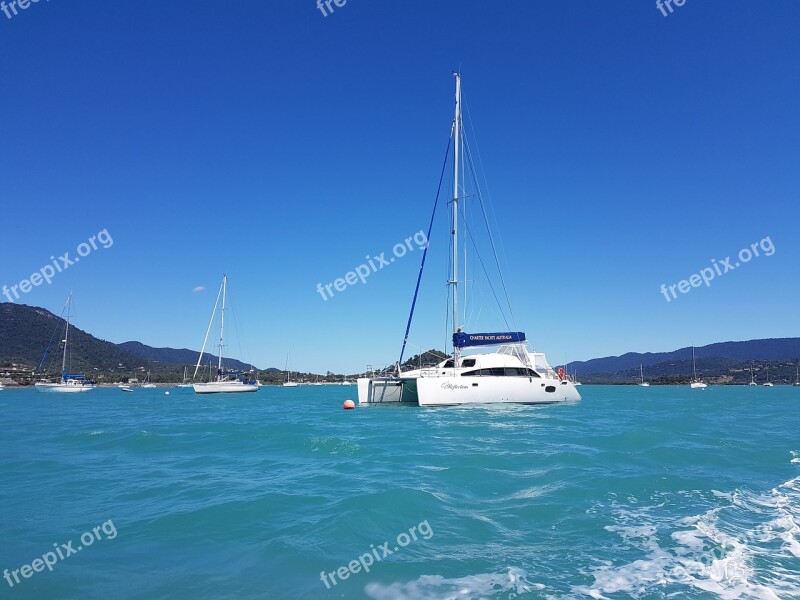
746, 547
436, 587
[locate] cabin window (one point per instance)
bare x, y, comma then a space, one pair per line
468, 362
448, 364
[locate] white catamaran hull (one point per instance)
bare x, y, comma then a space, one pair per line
454, 391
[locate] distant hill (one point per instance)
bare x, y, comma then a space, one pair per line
26, 331
777, 349
171, 356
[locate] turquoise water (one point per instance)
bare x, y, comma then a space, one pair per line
633, 492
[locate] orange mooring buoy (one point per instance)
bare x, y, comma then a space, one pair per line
349, 405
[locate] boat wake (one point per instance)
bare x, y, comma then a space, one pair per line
512, 584
747, 547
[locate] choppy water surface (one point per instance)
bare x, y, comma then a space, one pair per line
633, 492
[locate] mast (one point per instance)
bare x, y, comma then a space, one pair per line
694, 370
222, 324
66, 339
208, 331
456, 151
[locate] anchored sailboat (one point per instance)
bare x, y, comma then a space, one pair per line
641, 377
512, 374
185, 379
69, 383
147, 384
288, 382
768, 383
225, 382
696, 383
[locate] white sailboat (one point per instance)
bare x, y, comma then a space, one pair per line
512, 374
768, 383
696, 383
641, 377
797, 379
752, 379
147, 384
185, 379
69, 383
288, 382
225, 382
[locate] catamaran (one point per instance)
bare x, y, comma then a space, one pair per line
511, 374
641, 376
225, 382
69, 383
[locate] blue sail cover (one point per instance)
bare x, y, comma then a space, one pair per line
466, 340
66, 375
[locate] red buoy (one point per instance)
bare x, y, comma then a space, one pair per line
349, 405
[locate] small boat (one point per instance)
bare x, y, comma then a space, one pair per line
69, 383
641, 377
226, 382
796, 382
752, 379
126, 388
696, 383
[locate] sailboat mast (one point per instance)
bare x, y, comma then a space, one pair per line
66, 338
222, 324
694, 369
456, 152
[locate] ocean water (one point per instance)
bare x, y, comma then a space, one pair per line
658, 492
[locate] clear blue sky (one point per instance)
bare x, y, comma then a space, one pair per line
623, 150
